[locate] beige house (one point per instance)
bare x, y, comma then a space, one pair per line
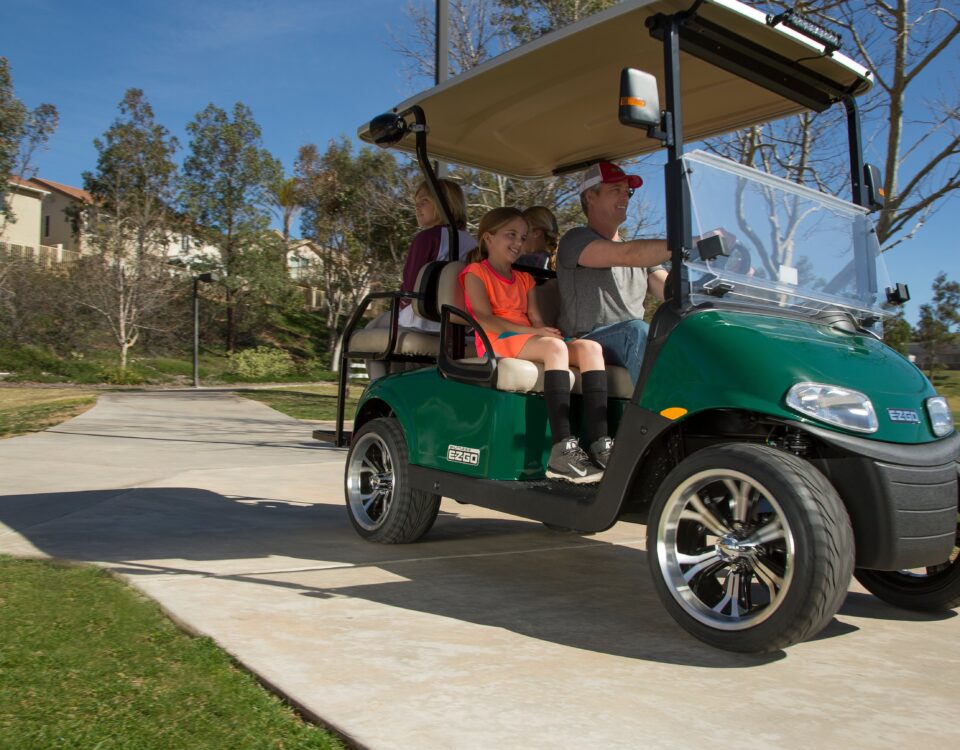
41, 229
56, 227
26, 202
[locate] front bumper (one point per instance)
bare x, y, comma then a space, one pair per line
902, 499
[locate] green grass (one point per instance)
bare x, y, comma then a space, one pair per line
947, 383
306, 402
31, 409
86, 662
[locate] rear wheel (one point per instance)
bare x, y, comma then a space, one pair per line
750, 548
380, 503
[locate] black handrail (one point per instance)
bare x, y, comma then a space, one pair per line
395, 298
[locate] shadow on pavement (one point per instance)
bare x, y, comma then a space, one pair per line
503, 573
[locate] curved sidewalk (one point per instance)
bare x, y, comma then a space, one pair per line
491, 633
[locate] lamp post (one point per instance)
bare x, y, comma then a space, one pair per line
206, 278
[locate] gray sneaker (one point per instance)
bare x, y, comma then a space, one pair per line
600, 450
569, 463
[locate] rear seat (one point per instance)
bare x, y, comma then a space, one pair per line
372, 342
519, 375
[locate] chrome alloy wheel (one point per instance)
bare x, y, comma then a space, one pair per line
725, 549
370, 481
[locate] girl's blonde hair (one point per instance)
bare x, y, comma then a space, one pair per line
453, 195
492, 221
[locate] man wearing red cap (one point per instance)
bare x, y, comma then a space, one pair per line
603, 280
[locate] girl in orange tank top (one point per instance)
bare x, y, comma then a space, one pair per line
504, 302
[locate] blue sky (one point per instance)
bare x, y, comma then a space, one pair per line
311, 70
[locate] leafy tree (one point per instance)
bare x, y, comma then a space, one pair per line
939, 322
357, 213
897, 332
22, 132
225, 192
285, 200
125, 281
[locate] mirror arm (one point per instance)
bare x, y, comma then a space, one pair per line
664, 133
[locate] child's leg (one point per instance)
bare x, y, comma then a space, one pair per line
588, 356
556, 381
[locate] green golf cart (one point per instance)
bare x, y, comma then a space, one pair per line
773, 445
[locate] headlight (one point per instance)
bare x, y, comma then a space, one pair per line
834, 405
941, 420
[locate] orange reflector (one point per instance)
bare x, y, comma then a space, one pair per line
632, 101
674, 412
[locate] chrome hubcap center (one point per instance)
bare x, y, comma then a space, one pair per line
381, 482
732, 548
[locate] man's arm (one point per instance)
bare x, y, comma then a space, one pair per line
637, 253
656, 283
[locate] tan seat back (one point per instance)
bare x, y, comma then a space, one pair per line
450, 290
548, 301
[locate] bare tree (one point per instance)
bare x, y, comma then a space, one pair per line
900, 42
475, 36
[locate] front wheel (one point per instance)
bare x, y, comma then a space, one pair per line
380, 503
750, 548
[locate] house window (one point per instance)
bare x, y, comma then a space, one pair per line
46, 225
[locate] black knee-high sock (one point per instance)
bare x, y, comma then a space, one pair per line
556, 390
594, 388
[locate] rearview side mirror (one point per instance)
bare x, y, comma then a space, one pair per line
639, 100
387, 129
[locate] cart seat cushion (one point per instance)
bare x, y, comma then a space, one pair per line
517, 375
372, 341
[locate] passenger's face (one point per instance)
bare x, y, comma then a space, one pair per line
534, 242
611, 201
426, 210
506, 244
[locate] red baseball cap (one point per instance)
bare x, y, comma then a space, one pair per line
607, 172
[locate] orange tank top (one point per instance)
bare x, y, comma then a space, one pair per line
508, 297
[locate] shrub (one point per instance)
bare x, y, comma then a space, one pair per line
261, 363
116, 376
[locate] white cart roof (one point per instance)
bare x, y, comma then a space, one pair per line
552, 103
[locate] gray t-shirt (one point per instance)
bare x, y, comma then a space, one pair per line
594, 297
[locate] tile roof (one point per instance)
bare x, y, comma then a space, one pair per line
76, 193
21, 183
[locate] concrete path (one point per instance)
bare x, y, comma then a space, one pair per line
492, 633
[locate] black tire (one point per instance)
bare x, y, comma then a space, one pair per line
933, 589
750, 548
380, 503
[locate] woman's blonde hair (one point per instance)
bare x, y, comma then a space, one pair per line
492, 221
453, 195
542, 218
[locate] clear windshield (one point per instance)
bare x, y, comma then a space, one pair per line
792, 247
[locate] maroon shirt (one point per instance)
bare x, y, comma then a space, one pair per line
423, 250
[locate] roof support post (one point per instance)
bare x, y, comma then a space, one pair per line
866, 265
678, 198
433, 184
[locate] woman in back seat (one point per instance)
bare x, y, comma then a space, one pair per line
503, 301
430, 244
